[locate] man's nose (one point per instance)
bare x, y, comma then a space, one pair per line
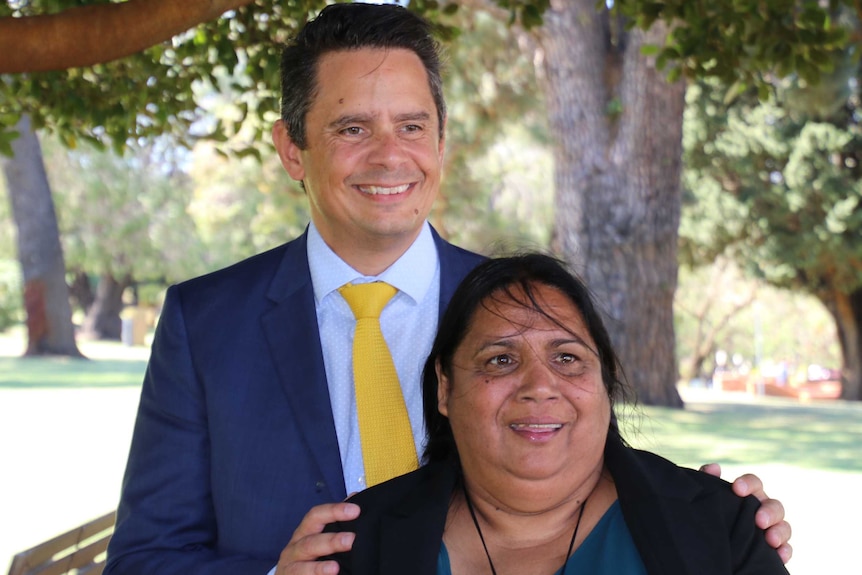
387, 149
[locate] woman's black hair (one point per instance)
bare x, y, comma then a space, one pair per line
513, 279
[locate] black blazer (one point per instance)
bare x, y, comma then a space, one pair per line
682, 521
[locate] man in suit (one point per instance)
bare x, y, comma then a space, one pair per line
246, 432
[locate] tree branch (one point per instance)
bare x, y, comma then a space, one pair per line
88, 35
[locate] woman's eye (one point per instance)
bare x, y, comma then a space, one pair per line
500, 360
567, 358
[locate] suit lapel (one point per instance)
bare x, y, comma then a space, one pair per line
294, 341
455, 263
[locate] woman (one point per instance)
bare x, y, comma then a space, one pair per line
526, 472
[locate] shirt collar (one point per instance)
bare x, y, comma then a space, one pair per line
411, 273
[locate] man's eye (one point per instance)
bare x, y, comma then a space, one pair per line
352, 131
413, 128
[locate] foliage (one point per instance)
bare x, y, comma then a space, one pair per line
743, 42
154, 92
497, 182
778, 187
11, 309
241, 206
124, 215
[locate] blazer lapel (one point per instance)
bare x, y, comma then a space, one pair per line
658, 508
294, 341
412, 532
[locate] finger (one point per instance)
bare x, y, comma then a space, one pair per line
785, 552
301, 556
321, 515
771, 513
749, 484
712, 469
779, 534
308, 568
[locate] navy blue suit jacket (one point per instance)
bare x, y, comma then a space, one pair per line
234, 439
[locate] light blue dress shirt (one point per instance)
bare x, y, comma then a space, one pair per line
408, 322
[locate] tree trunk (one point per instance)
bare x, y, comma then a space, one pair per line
847, 311
81, 291
617, 125
46, 296
103, 318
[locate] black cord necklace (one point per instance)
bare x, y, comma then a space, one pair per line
484, 546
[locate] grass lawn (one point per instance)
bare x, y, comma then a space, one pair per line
809, 455
65, 427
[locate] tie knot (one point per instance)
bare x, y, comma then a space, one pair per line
367, 300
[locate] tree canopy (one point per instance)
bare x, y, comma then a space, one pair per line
776, 184
144, 60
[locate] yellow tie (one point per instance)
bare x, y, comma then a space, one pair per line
388, 449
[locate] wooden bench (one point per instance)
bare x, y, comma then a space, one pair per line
80, 551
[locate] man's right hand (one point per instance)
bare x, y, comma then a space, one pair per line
309, 543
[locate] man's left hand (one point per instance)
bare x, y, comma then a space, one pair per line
770, 516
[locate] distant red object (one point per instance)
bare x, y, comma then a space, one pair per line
819, 389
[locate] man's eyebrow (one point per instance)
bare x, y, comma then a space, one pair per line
413, 117
346, 120
349, 119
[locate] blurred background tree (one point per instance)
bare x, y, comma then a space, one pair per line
775, 185
614, 119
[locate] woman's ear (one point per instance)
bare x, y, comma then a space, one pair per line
443, 390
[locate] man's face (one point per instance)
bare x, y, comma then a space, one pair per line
373, 159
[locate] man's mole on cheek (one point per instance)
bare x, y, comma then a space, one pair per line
341, 100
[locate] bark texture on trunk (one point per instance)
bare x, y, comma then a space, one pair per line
46, 295
846, 309
617, 125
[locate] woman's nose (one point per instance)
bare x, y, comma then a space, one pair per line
539, 382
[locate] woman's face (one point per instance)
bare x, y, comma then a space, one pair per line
525, 399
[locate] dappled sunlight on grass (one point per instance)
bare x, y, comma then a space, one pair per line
823, 435
108, 364
67, 373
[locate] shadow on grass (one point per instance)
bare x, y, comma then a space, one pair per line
817, 435
66, 373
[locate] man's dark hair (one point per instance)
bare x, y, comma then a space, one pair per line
344, 27
509, 279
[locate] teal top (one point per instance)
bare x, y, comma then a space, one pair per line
607, 550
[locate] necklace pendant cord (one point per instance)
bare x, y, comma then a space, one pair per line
485, 546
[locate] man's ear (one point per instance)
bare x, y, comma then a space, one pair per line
443, 389
441, 146
288, 152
